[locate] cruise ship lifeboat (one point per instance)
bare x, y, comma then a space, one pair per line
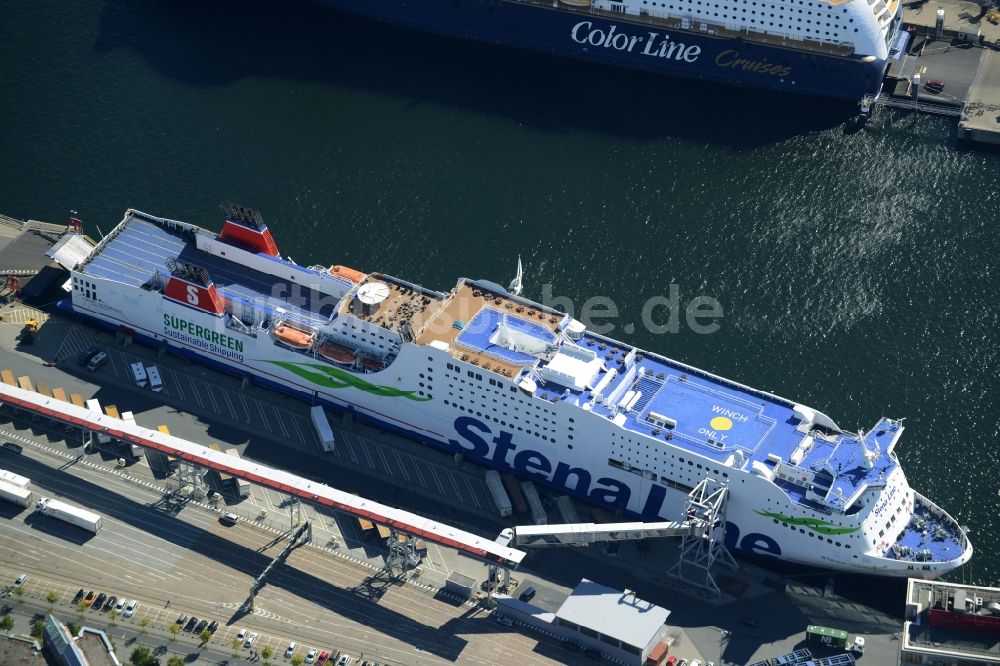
336, 353
347, 273
372, 364
294, 337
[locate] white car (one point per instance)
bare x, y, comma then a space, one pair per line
290, 650
250, 639
20, 580
344, 660
241, 634
120, 606
311, 656
130, 609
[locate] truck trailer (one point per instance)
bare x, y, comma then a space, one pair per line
500, 498
323, 429
87, 520
15, 494
15, 479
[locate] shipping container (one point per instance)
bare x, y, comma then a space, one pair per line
500, 498
835, 638
15, 494
68, 513
516, 496
15, 479
534, 503
323, 429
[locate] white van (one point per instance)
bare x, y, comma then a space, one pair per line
139, 374
155, 382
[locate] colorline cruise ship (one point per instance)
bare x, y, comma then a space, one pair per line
515, 385
829, 48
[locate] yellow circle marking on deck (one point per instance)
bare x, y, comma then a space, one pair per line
721, 423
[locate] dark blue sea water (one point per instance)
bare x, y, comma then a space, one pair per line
857, 269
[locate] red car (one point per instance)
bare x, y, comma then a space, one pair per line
323, 657
934, 86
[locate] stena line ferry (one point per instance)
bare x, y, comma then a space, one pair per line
515, 385
829, 48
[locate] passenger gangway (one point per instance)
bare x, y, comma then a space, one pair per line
98, 423
582, 534
797, 658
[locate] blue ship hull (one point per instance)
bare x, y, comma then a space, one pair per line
628, 42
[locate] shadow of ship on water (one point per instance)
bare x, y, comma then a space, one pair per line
214, 44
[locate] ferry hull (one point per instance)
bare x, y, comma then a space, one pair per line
628, 42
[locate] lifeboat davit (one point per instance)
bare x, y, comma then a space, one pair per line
347, 273
336, 353
294, 337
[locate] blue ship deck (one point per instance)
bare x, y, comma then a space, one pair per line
476, 335
139, 249
715, 418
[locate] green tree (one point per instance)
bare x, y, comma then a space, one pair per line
141, 656
112, 614
298, 660
266, 653
52, 597
236, 647
37, 628
19, 593
175, 661
174, 629
74, 628
6, 623
205, 636
81, 607
143, 624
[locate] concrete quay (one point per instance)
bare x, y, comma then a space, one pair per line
963, 57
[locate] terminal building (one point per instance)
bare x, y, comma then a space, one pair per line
616, 624
950, 624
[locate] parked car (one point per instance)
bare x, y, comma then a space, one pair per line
120, 606
241, 634
182, 618
324, 656
250, 639
84, 358
934, 86
130, 609
79, 595
290, 650
110, 603
19, 581
345, 660
229, 518
201, 626
528, 594
99, 601
89, 599
213, 627
12, 447
311, 656
191, 623
99, 359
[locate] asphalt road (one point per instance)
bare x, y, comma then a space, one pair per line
157, 551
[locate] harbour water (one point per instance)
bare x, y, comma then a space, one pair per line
856, 269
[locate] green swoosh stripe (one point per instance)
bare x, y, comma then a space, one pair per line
335, 378
815, 524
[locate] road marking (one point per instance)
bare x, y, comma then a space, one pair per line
472, 492
420, 476
399, 463
303, 437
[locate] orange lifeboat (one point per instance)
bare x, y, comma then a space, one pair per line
294, 337
336, 353
347, 273
371, 364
